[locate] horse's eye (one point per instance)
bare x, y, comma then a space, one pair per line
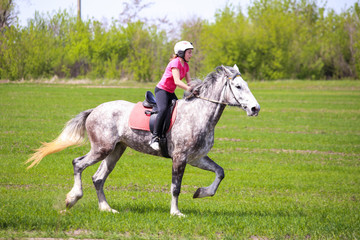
238, 87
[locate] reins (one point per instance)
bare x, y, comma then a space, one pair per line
209, 100
215, 101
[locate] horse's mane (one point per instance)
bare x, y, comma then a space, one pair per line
205, 85
209, 81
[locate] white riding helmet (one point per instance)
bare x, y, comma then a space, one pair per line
181, 47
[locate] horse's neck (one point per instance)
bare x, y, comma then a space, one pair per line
208, 112
214, 109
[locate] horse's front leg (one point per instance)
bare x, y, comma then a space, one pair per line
207, 164
178, 169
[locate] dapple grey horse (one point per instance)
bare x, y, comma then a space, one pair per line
189, 141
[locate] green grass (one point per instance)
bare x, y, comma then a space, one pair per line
292, 172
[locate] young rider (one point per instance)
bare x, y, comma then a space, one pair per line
175, 71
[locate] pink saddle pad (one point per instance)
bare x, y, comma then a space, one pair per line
140, 121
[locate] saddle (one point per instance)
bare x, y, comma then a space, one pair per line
143, 117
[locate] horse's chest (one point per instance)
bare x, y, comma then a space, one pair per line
204, 140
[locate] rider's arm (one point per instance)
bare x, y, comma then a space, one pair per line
178, 82
187, 77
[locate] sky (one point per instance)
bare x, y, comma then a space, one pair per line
173, 10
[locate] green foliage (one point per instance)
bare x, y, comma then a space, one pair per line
285, 39
144, 56
60, 45
227, 41
276, 39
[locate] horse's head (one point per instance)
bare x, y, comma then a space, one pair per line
237, 91
225, 86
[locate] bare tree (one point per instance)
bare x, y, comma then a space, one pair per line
79, 10
7, 13
131, 11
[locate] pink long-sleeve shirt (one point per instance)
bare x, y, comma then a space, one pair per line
167, 81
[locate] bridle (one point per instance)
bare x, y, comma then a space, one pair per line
227, 83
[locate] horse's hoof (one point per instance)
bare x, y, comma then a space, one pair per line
69, 203
109, 210
104, 207
197, 193
203, 192
71, 200
178, 214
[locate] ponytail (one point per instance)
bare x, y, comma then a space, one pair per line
173, 57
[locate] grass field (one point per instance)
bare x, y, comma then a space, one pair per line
291, 173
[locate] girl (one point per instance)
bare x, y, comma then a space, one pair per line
175, 71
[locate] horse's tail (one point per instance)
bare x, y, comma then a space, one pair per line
72, 134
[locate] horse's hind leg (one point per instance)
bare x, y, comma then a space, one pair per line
80, 164
207, 164
103, 172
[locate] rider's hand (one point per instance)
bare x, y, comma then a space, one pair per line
194, 91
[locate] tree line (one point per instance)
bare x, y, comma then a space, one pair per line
275, 39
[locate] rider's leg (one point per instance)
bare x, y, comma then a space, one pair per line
162, 100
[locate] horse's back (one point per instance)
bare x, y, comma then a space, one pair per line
109, 110
109, 118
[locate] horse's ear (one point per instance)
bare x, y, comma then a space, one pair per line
236, 68
222, 68
227, 71
219, 69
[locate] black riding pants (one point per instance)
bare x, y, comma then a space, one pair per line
163, 102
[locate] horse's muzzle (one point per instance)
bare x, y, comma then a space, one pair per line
254, 111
